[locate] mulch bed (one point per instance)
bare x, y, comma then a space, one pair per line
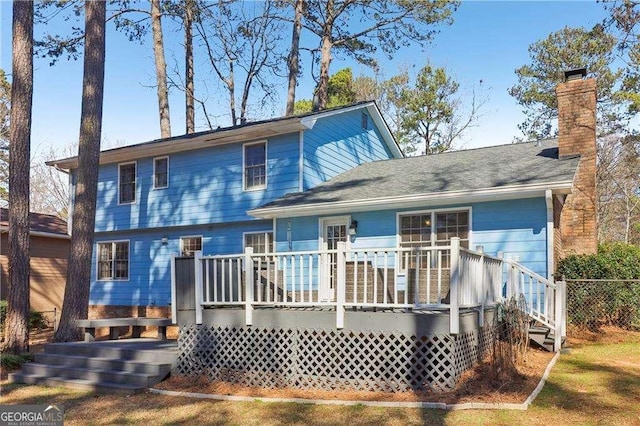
476, 385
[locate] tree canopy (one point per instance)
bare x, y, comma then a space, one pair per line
569, 48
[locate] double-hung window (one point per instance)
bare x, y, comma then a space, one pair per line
113, 260
430, 229
255, 165
127, 183
161, 172
190, 245
261, 242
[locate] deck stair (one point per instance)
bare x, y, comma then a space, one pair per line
542, 336
120, 366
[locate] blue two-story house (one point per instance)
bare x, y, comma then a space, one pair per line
323, 259
193, 193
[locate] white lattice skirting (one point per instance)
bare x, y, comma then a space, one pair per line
329, 359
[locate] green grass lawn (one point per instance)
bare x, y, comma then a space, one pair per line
595, 383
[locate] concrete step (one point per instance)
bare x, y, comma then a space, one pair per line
138, 350
81, 384
126, 366
102, 363
91, 375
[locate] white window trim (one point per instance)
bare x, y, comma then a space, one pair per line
266, 169
183, 237
154, 172
113, 242
432, 212
135, 188
321, 225
273, 238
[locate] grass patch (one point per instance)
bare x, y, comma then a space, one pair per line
593, 383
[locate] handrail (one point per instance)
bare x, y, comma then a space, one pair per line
546, 299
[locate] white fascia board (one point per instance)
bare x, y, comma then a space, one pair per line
375, 114
415, 200
310, 120
189, 143
377, 117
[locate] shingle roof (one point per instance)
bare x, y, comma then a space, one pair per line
38, 222
474, 169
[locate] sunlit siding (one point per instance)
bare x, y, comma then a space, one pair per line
515, 228
205, 186
149, 282
339, 143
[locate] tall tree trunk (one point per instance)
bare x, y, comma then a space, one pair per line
76, 295
321, 96
161, 70
294, 57
17, 320
188, 59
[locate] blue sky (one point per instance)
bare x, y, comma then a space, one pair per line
487, 41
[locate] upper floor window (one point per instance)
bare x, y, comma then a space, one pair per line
428, 229
113, 260
255, 165
261, 242
161, 172
127, 183
190, 245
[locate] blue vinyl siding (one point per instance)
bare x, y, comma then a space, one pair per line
514, 227
205, 186
338, 143
149, 281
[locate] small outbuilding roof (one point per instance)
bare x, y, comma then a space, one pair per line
519, 170
39, 224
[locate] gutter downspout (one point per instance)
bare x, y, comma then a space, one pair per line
548, 198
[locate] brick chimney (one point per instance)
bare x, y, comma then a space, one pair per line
577, 136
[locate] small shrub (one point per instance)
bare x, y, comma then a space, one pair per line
613, 261
593, 304
36, 319
12, 361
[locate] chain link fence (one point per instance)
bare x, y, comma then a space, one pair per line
593, 304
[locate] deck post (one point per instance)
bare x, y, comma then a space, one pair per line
198, 290
558, 317
341, 286
498, 280
248, 283
454, 284
174, 306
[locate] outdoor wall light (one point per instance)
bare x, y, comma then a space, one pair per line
353, 228
165, 240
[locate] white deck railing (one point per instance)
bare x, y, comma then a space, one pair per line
437, 278
546, 300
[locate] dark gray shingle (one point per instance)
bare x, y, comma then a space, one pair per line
474, 169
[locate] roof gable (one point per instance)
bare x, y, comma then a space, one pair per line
233, 134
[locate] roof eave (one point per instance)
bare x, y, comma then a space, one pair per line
415, 200
5, 229
173, 145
